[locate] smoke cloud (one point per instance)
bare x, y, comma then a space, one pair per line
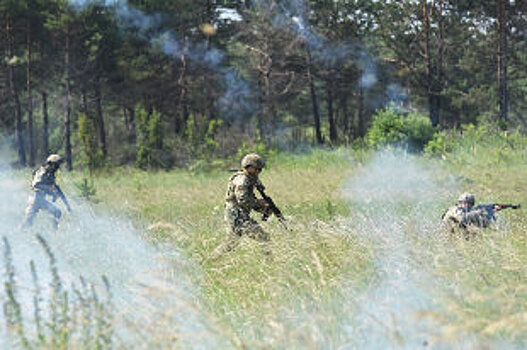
394, 207
153, 298
230, 104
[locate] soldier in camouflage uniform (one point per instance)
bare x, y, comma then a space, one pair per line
42, 185
240, 200
464, 218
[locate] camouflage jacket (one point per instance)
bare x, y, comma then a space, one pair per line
464, 217
240, 192
43, 179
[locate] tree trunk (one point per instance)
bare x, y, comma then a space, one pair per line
14, 95
346, 119
331, 116
31, 139
316, 114
67, 117
100, 118
502, 59
129, 119
430, 84
84, 101
261, 115
439, 82
268, 102
360, 114
45, 123
180, 119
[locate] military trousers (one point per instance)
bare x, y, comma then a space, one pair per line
36, 202
238, 224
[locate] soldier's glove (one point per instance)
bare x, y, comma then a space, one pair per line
263, 205
497, 207
265, 209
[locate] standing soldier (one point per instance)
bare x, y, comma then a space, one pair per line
240, 201
43, 185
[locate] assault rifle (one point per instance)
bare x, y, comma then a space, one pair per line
271, 207
490, 209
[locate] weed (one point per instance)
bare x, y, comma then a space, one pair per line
62, 319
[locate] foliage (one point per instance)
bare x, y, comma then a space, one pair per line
389, 128
201, 135
441, 145
150, 138
259, 148
86, 188
263, 73
91, 156
483, 144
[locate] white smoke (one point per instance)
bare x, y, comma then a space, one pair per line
153, 298
394, 207
234, 102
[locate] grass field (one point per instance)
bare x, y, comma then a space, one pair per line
250, 293
484, 282
363, 228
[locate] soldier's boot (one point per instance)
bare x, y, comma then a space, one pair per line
232, 241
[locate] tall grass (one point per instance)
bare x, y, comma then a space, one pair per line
484, 281
62, 317
291, 297
305, 294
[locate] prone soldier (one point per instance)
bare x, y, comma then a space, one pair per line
469, 219
42, 185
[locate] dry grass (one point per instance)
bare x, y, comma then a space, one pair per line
293, 297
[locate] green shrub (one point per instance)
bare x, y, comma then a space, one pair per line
419, 131
389, 128
441, 145
86, 188
90, 156
485, 144
259, 147
150, 141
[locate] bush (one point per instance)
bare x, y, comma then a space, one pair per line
259, 148
441, 145
150, 142
485, 144
419, 131
91, 156
389, 128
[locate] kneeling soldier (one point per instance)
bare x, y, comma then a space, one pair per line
43, 185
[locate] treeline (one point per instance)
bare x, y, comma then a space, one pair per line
162, 83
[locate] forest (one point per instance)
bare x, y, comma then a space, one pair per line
162, 84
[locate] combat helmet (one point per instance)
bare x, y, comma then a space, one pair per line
252, 159
54, 158
467, 197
